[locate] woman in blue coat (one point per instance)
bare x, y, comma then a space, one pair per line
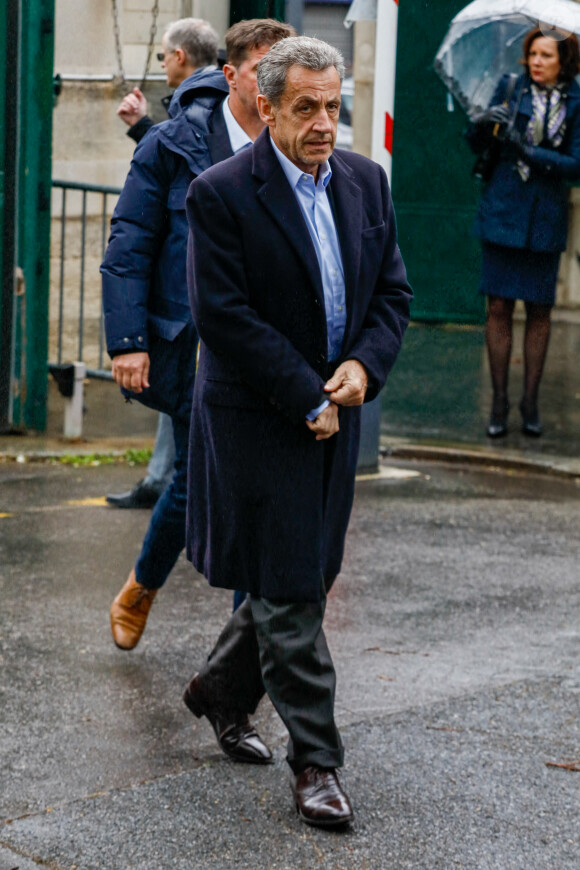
522, 217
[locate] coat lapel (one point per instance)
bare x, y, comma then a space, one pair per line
347, 198
218, 141
279, 200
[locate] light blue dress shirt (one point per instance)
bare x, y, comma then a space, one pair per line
314, 204
238, 137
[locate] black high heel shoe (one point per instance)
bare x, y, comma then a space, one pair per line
531, 425
497, 426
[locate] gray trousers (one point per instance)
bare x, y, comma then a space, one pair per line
280, 648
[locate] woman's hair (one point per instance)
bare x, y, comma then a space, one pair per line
568, 51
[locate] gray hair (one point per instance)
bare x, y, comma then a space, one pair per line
196, 38
301, 51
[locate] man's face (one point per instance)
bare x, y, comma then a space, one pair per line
303, 125
243, 78
173, 69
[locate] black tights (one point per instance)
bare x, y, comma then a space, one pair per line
498, 336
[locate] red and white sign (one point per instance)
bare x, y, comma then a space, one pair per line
384, 98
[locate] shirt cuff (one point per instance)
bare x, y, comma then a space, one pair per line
312, 415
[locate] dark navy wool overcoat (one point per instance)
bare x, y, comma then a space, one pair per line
268, 504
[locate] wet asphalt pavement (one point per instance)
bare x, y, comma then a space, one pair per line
455, 632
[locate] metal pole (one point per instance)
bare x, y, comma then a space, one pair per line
384, 97
103, 247
10, 212
295, 14
82, 283
370, 431
61, 284
73, 406
382, 152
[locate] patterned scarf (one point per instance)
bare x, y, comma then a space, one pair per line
548, 121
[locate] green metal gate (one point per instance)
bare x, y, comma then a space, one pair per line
26, 95
434, 193
241, 9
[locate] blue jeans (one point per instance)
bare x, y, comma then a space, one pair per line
165, 538
161, 464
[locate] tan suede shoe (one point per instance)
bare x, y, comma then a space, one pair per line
129, 612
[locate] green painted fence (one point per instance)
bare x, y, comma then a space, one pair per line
24, 313
434, 193
241, 9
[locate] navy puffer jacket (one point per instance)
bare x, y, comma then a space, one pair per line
144, 270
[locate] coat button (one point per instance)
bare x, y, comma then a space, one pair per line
321, 358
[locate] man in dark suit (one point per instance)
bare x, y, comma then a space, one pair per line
300, 298
150, 334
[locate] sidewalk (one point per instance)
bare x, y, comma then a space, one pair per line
454, 632
437, 400
453, 628
435, 406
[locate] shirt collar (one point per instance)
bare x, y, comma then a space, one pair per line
238, 136
296, 175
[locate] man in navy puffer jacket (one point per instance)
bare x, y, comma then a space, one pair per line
150, 335
183, 40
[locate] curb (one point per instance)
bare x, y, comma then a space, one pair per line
554, 466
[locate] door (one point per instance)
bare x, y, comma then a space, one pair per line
434, 193
27, 40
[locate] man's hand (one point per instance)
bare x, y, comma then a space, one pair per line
348, 384
326, 424
133, 107
131, 370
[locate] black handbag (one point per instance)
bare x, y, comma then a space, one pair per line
487, 161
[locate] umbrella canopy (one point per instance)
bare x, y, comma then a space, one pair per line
484, 41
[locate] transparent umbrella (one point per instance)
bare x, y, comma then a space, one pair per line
484, 41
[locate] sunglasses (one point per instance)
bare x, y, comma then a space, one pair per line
161, 55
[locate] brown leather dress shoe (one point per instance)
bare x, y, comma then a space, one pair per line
235, 735
319, 798
129, 612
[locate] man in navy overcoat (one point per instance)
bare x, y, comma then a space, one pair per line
301, 300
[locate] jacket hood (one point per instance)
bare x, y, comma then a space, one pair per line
191, 108
201, 79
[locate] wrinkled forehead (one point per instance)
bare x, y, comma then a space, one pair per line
302, 81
